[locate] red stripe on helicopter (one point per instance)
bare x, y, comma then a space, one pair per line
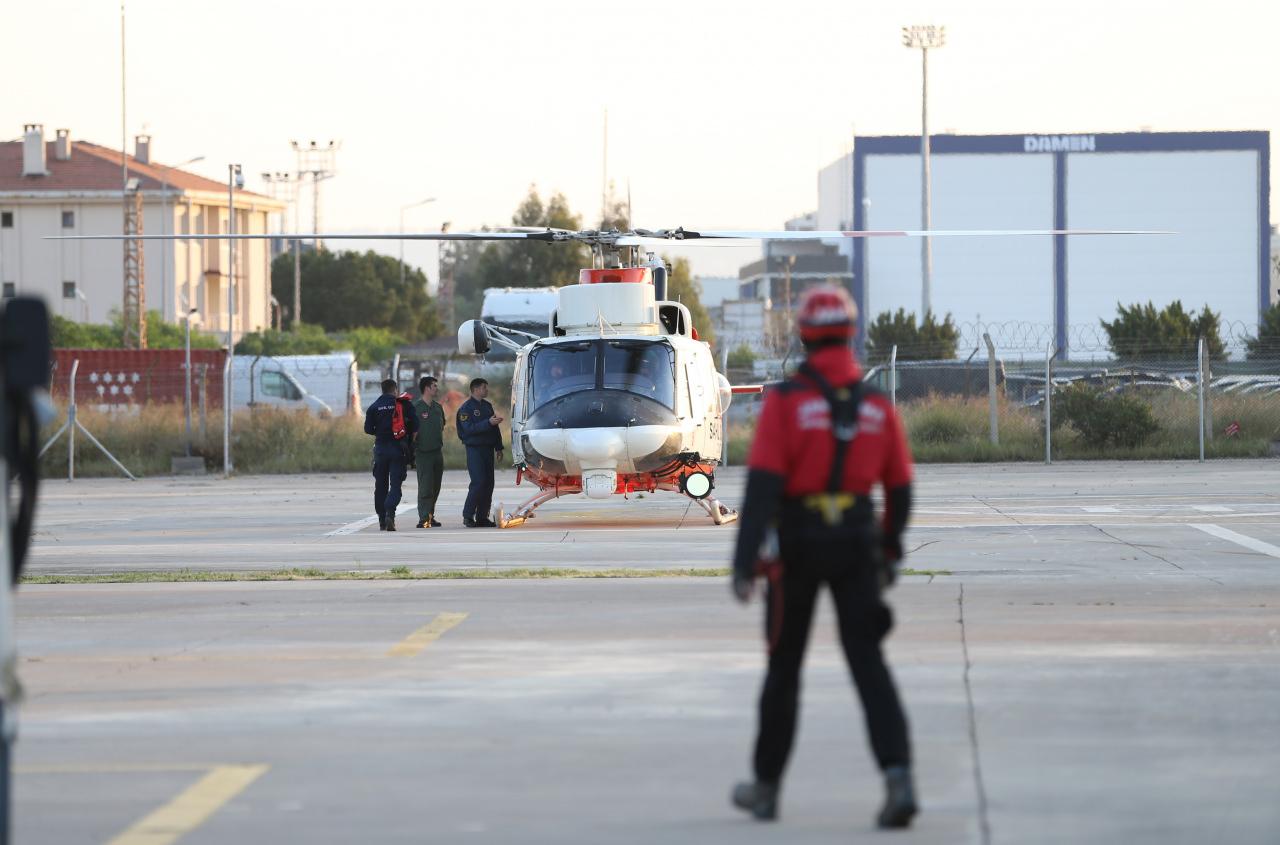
614, 275
747, 388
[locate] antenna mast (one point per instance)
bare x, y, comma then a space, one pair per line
604, 172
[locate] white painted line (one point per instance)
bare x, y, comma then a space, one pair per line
1100, 509
1211, 508
361, 524
1239, 539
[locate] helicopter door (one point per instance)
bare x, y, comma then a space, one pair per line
518, 389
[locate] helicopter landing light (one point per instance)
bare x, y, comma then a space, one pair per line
696, 485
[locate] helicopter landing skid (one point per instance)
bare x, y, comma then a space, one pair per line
720, 514
524, 512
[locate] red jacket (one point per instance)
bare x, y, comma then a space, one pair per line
794, 440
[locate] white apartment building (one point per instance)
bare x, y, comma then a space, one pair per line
66, 187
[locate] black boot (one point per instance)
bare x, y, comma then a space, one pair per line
432, 520
899, 798
391, 522
382, 522
758, 798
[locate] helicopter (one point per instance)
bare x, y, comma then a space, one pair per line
620, 396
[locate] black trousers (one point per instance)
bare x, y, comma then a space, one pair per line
864, 621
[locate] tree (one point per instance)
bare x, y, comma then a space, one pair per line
741, 358
346, 290
477, 266
682, 287
931, 341
1140, 331
1266, 346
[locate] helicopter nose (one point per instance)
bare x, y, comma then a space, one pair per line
596, 447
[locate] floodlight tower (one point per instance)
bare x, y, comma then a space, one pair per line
320, 163
925, 38
285, 186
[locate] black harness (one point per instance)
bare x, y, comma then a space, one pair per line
833, 515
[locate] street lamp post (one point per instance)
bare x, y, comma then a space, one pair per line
403, 209
924, 38
164, 212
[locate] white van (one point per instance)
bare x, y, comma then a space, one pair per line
321, 384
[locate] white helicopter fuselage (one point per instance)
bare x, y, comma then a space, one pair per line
621, 397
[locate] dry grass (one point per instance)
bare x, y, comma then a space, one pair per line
941, 429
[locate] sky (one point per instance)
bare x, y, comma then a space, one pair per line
720, 113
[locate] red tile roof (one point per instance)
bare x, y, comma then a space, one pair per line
95, 168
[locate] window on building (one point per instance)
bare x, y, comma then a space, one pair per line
68, 290
10, 290
68, 219
6, 219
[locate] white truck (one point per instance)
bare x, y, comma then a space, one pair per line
320, 384
526, 309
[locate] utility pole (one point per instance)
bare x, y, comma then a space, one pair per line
923, 38
135, 296
444, 292
285, 186
135, 291
319, 163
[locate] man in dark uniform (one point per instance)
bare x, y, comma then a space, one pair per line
478, 429
822, 442
390, 455
428, 446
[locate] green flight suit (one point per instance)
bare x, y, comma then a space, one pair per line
429, 457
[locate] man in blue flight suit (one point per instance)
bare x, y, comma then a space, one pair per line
478, 429
390, 454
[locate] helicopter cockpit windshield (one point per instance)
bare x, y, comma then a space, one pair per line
642, 367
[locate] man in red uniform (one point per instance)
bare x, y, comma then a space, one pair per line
823, 441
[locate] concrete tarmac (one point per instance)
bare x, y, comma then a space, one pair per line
1101, 665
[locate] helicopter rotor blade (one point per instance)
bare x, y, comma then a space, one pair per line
497, 235
792, 235
634, 238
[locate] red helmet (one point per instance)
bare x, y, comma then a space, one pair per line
826, 312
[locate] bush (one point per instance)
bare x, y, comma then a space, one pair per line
1102, 419
938, 422
69, 334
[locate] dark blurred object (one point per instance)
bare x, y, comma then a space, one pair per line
25, 358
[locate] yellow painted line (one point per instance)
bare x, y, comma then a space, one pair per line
426, 635
191, 808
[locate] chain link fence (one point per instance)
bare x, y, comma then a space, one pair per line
1010, 394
